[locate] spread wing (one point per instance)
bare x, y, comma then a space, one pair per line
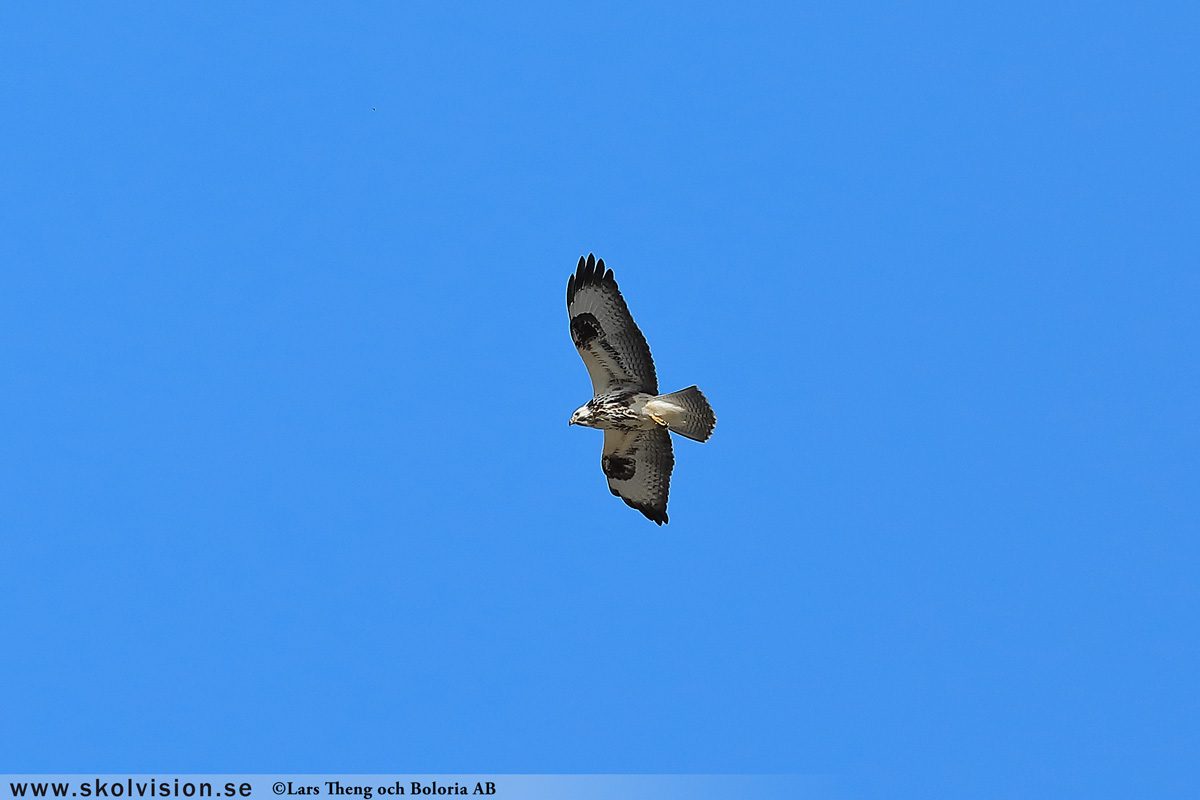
638, 466
613, 349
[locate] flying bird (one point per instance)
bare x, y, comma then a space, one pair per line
635, 418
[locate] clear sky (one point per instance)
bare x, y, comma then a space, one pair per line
286, 481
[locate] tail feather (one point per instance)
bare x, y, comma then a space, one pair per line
686, 412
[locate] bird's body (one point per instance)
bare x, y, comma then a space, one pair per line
622, 410
637, 458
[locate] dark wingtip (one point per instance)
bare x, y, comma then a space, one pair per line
657, 516
590, 272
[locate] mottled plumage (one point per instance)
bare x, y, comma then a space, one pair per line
637, 457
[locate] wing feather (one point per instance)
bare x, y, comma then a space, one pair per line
638, 466
613, 349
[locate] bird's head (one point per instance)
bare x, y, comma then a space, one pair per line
582, 416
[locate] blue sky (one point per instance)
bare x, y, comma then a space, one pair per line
286, 482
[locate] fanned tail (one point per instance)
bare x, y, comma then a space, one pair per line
685, 412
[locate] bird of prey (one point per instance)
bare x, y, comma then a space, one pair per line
635, 418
